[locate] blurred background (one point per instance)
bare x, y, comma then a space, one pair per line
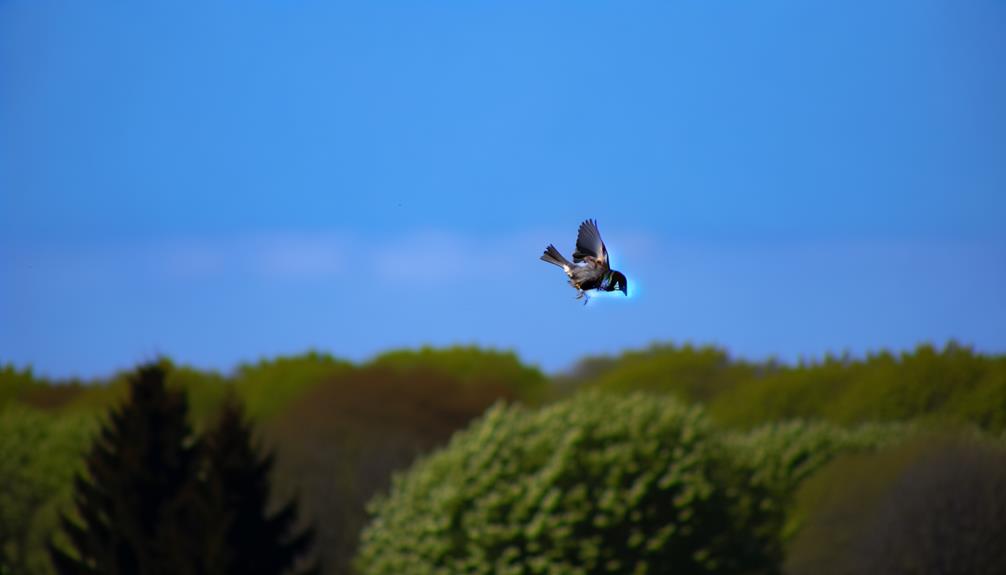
333, 211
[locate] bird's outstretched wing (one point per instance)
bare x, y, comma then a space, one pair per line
589, 247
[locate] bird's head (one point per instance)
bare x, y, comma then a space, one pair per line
618, 283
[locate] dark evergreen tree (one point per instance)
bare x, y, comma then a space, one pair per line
138, 473
255, 541
156, 500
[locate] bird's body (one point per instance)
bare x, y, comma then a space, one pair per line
590, 268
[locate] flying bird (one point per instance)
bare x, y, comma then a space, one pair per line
590, 269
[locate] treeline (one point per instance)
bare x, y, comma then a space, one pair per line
268, 387
338, 430
341, 430
952, 385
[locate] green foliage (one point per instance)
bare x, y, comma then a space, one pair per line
919, 383
334, 423
593, 484
472, 366
23, 387
797, 392
205, 390
984, 403
340, 430
784, 454
949, 385
781, 456
952, 385
687, 372
14, 383
268, 386
39, 453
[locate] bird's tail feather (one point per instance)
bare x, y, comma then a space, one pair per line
553, 256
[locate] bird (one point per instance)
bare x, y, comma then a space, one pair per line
590, 268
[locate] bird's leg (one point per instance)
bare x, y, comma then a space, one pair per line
586, 298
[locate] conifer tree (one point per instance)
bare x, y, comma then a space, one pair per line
237, 488
140, 467
157, 500
257, 541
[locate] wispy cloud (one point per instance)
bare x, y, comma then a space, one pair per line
301, 257
189, 258
422, 258
280, 256
429, 258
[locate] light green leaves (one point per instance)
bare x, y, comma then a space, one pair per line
594, 484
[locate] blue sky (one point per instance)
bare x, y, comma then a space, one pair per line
222, 181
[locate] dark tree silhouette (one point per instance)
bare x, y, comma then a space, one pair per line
935, 506
155, 499
254, 541
945, 514
138, 472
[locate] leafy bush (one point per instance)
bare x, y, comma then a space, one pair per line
781, 456
594, 484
